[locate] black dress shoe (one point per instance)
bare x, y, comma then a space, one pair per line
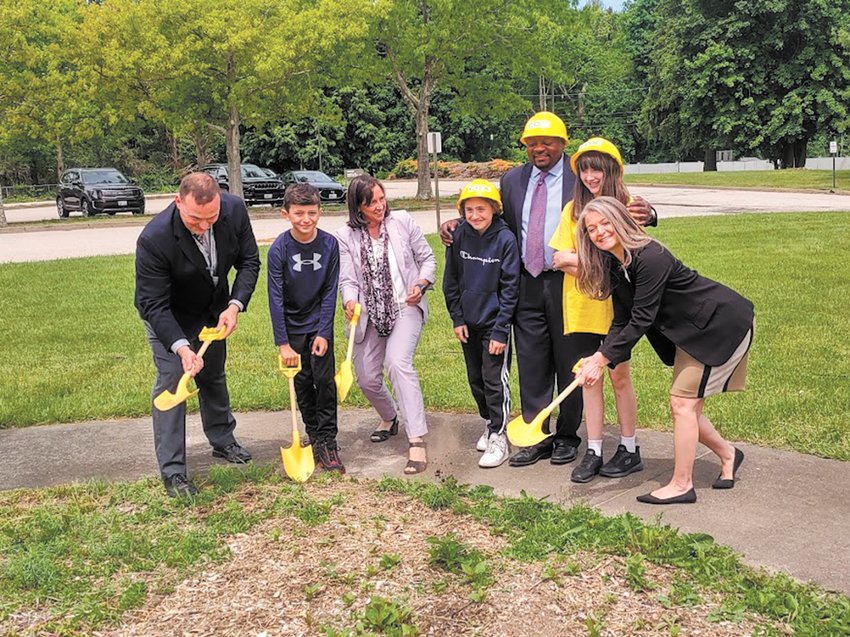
232, 453
562, 453
178, 486
688, 497
721, 482
529, 455
382, 435
587, 468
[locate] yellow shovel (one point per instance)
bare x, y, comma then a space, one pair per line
297, 460
344, 377
166, 400
522, 434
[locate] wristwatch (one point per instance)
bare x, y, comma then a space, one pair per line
423, 287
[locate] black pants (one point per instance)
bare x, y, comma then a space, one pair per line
545, 355
489, 378
315, 388
169, 427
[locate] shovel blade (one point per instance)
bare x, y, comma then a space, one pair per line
298, 461
344, 379
166, 400
523, 434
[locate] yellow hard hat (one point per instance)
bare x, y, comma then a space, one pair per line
479, 188
545, 124
599, 145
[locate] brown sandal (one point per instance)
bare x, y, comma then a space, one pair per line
415, 466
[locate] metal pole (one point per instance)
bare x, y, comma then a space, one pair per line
833, 171
437, 188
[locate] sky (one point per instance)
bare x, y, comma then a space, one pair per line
614, 4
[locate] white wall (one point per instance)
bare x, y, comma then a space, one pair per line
812, 163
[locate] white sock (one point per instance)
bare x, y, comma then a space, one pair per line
629, 443
596, 445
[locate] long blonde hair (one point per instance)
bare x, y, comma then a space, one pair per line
594, 278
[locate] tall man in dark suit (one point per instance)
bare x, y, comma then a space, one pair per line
183, 258
533, 196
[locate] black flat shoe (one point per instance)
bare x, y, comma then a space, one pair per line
689, 497
382, 435
723, 483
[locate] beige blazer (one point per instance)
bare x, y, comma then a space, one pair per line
413, 255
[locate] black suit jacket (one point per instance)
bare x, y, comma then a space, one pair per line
513, 186
674, 306
174, 291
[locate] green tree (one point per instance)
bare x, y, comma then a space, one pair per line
475, 48
38, 93
758, 76
195, 66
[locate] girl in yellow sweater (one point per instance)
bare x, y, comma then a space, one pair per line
599, 166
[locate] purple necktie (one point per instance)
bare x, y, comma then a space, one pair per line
535, 259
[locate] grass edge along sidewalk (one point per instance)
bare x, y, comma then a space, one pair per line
73, 348
77, 558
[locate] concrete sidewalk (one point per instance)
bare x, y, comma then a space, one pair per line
788, 512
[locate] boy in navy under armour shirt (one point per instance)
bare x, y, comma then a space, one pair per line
481, 286
303, 277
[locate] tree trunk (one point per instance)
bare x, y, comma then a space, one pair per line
234, 157
423, 173
710, 163
787, 160
175, 149
3, 223
801, 147
202, 157
60, 158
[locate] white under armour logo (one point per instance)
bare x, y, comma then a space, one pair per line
316, 262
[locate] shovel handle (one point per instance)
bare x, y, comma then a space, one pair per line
351, 329
295, 435
203, 349
560, 397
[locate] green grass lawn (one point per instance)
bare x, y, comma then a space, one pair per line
794, 178
74, 349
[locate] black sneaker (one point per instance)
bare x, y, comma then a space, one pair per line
622, 464
588, 468
327, 456
178, 486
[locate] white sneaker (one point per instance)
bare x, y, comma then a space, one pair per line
497, 451
481, 445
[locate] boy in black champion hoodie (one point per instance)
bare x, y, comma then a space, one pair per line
481, 286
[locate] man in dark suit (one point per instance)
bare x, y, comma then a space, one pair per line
533, 196
183, 258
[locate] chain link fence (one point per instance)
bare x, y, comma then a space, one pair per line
29, 192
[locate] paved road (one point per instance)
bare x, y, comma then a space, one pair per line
78, 240
674, 201
154, 204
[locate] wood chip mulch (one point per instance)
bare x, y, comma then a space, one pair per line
287, 578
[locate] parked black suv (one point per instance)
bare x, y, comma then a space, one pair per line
257, 186
94, 190
329, 190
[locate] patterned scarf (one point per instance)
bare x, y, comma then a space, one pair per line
380, 296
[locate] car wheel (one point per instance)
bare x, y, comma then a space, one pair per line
111, 213
60, 207
86, 208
